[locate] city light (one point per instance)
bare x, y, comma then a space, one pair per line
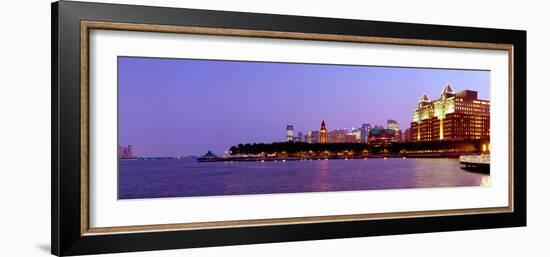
454, 116
452, 124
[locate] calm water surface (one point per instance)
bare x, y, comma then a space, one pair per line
179, 178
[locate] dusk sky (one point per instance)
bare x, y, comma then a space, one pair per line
179, 107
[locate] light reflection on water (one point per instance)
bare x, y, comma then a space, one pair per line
180, 178
485, 181
323, 180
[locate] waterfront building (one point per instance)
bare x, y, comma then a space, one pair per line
454, 116
289, 133
323, 133
125, 152
300, 137
381, 136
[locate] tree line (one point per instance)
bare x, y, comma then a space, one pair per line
293, 148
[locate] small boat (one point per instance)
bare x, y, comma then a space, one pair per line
476, 162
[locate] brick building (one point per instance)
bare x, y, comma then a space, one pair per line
454, 116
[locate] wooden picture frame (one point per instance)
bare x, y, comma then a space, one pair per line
71, 25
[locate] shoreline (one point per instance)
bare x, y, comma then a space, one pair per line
293, 158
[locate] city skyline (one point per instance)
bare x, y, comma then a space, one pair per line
291, 135
173, 107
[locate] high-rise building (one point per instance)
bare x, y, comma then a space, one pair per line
300, 137
323, 133
309, 137
314, 137
454, 116
392, 124
289, 133
356, 133
365, 130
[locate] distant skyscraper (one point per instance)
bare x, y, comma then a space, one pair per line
392, 124
356, 133
323, 133
300, 137
314, 137
289, 133
309, 137
365, 129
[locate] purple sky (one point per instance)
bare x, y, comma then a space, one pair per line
173, 107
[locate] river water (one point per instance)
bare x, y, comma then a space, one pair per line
182, 178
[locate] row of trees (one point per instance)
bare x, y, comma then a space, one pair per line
296, 148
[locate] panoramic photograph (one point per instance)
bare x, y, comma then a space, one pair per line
193, 127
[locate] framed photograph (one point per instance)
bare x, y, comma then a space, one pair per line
178, 128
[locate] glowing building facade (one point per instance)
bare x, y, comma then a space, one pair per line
392, 124
341, 136
323, 133
289, 133
381, 136
454, 116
